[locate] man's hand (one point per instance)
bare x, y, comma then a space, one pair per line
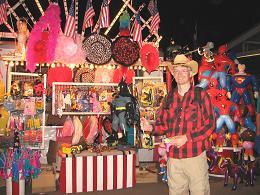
168, 142
179, 141
256, 94
228, 95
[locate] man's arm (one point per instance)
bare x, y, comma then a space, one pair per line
161, 125
208, 118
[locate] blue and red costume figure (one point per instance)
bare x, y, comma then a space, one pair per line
224, 109
219, 68
239, 88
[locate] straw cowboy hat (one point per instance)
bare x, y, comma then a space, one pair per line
182, 60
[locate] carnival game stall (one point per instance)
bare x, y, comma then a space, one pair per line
75, 96
70, 91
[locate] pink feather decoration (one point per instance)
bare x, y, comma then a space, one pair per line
49, 21
69, 50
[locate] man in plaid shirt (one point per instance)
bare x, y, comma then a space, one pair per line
187, 118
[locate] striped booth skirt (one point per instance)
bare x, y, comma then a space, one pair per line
89, 172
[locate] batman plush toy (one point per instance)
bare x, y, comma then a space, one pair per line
124, 114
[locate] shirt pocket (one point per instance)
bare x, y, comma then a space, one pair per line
191, 113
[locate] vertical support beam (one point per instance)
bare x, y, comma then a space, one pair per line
76, 14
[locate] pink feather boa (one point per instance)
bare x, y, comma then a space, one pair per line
69, 51
51, 19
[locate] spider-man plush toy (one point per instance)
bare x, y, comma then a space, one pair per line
219, 68
224, 108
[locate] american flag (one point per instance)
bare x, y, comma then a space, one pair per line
104, 19
137, 32
152, 7
89, 14
3, 9
70, 26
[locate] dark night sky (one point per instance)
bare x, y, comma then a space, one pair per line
218, 21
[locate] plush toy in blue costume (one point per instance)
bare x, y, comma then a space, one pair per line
124, 113
239, 88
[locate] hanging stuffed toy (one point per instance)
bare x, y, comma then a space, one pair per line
124, 24
42, 42
125, 113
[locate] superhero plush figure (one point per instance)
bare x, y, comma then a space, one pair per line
239, 88
124, 112
224, 108
206, 71
248, 138
219, 68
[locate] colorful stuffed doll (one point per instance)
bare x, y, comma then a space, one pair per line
223, 109
163, 161
248, 137
240, 87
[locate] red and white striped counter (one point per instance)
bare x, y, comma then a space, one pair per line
97, 173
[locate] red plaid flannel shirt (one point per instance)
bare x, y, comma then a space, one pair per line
184, 116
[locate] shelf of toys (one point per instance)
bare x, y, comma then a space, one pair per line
26, 106
74, 98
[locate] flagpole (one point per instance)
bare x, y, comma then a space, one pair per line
39, 6
65, 7
97, 25
76, 15
83, 32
